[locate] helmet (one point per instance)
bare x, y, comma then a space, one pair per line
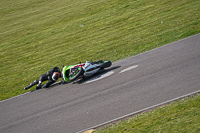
56, 76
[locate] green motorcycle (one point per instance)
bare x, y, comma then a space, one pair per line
73, 72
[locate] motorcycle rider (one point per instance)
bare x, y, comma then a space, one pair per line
52, 76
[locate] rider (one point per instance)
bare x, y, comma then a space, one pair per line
52, 76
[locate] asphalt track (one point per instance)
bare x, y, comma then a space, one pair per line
130, 85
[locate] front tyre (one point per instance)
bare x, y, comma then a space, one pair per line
75, 73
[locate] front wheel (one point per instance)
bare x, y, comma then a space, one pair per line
75, 73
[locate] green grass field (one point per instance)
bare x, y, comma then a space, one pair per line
37, 35
180, 117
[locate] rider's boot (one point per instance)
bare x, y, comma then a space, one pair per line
31, 85
27, 87
39, 86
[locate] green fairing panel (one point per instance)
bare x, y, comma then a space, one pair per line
63, 72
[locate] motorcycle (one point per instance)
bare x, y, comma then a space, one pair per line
73, 72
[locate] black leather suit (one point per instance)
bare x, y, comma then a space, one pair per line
45, 77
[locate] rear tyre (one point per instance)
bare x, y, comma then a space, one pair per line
105, 64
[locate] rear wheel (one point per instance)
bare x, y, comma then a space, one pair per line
105, 64
75, 73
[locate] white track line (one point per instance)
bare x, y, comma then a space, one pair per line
129, 68
139, 111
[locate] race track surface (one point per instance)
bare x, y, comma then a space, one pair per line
127, 86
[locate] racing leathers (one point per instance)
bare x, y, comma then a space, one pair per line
45, 77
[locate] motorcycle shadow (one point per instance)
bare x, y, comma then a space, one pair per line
96, 76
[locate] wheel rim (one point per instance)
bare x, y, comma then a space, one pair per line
74, 72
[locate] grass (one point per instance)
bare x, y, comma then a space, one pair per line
37, 35
182, 117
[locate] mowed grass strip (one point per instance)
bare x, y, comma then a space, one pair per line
37, 35
182, 116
